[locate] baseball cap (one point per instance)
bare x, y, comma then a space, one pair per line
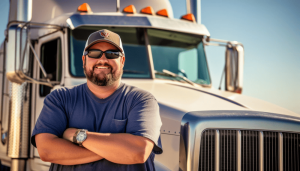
104, 36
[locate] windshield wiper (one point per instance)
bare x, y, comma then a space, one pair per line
169, 73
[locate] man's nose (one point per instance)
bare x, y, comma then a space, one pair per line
102, 58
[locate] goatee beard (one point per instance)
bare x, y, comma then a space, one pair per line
96, 79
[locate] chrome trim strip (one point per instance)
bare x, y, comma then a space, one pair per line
217, 150
280, 151
261, 151
239, 150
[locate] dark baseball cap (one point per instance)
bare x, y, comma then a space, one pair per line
104, 36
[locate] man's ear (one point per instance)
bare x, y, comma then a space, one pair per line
83, 59
122, 60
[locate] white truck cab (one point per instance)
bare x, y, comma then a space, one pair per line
203, 128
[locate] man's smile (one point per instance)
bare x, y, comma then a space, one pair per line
102, 67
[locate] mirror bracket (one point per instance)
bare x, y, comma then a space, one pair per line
22, 77
234, 63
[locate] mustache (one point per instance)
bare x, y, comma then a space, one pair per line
102, 65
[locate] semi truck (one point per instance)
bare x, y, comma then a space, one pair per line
204, 129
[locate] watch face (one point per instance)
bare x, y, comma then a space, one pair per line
81, 136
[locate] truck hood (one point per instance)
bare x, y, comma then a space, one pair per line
176, 99
188, 98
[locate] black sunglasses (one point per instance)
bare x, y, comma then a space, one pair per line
96, 53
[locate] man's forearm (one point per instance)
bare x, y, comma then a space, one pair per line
119, 148
60, 151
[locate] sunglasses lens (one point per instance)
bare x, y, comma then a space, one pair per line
112, 54
109, 54
94, 54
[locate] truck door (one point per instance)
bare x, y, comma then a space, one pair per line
50, 50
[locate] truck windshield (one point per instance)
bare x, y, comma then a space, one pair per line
136, 61
179, 53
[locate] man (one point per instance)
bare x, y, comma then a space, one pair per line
103, 124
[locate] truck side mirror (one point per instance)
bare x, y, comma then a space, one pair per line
234, 68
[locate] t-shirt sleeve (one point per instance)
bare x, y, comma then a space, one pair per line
144, 120
53, 118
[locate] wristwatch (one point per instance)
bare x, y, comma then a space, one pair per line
80, 136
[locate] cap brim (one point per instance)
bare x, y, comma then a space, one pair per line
103, 40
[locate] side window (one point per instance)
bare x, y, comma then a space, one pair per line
52, 62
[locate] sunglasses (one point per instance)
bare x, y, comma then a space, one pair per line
96, 53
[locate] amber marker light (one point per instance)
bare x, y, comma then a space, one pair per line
238, 91
163, 12
148, 10
189, 17
84, 8
130, 9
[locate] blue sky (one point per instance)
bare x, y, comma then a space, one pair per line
270, 32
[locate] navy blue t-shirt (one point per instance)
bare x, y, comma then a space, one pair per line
128, 110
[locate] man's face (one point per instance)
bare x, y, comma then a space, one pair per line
103, 71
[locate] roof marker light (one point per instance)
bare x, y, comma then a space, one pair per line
148, 10
189, 17
163, 12
238, 91
130, 9
84, 8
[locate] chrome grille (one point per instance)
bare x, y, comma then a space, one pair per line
291, 152
271, 155
247, 150
228, 150
207, 155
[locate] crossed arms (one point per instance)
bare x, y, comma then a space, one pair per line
118, 148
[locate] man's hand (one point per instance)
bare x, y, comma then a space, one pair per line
69, 133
